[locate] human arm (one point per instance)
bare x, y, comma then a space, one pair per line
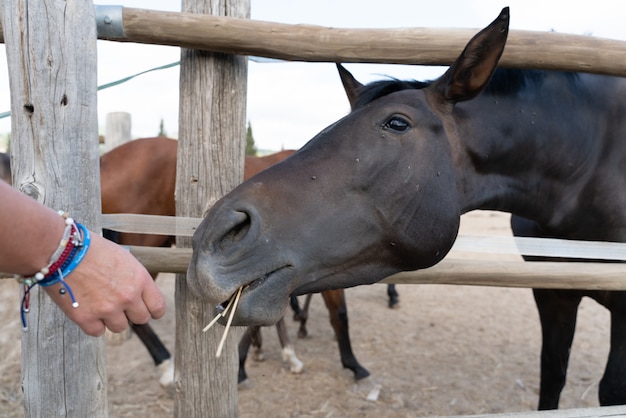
110, 285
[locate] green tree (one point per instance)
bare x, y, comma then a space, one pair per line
162, 128
250, 147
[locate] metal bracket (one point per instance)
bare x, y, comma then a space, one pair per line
110, 22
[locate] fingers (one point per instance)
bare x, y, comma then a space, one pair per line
149, 302
94, 328
97, 327
154, 301
117, 323
141, 311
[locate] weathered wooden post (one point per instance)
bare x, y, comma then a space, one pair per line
51, 52
212, 132
117, 129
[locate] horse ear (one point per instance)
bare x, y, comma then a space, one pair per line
471, 71
350, 84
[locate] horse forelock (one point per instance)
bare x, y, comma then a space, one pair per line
381, 88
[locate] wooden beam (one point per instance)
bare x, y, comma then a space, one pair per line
425, 46
540, 275
594, 412
545, 275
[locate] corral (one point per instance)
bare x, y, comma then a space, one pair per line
180, 306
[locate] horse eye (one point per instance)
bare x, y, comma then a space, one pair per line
397, 123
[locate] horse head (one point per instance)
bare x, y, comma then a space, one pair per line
373, 194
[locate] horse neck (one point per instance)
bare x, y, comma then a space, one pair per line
529, 157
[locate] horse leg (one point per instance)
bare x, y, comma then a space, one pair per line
301, 315
158, 352
252, 336
298, 314
295, 307
613, 383
338, 312
392, 293
288, 351
557, 313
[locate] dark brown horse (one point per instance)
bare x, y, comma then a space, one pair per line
382, 190
139, 177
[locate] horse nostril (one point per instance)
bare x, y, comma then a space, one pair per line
237, 231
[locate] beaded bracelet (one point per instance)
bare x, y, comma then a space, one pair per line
71, 251
67, 242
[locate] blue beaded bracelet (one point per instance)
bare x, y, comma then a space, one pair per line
76, 256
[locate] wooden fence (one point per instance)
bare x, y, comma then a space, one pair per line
546, 275
45, 38
425, 46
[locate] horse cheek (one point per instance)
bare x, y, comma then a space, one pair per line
434, 221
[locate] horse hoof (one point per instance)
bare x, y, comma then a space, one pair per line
361, 373
241, 376
393, 304
245, 384
369, 389
289, 355
296, 367
167, 374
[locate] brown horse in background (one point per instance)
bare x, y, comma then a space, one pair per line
139, 177
5, 167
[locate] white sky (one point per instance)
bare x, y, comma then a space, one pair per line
288, 103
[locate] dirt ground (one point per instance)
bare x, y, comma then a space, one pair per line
447, 350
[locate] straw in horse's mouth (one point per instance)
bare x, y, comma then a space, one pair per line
232, 305
249, 286
255, 283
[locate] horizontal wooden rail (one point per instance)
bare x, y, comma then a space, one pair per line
545, 275
425, 46
593, 412
547, 247
452, 271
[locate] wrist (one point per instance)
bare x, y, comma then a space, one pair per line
66, 248
69, 253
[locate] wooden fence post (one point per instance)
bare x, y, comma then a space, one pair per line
117, 129
211, 148
51, 52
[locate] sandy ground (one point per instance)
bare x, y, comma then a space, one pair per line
447, 350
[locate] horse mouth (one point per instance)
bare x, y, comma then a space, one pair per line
255, 284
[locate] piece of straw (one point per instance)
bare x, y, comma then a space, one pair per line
217, 317
230, 320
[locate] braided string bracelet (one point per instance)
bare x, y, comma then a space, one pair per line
71, 251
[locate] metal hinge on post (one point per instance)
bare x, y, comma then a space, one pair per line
110, 22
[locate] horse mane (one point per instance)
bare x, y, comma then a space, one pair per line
381, 88
509, 81
505, 81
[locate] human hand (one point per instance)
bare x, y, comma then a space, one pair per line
111, 288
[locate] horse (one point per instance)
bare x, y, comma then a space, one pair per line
139, 177
382, 190
5, 167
